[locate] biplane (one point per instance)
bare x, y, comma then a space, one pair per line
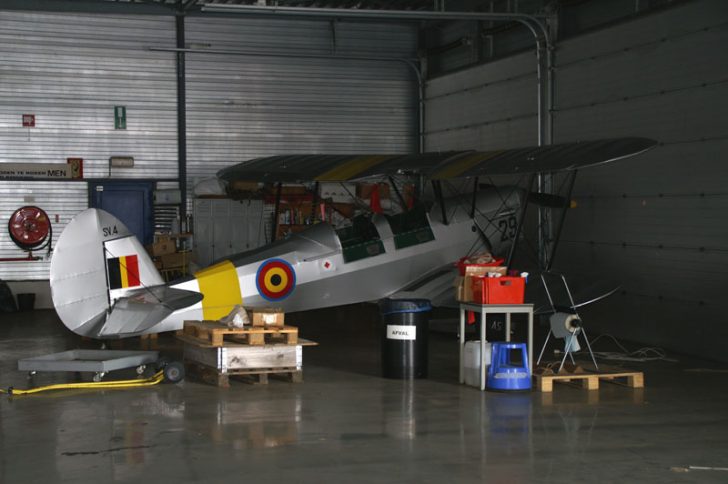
104, 285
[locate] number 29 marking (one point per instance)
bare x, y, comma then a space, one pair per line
507, 228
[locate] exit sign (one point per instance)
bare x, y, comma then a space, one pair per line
119, 117
28, 120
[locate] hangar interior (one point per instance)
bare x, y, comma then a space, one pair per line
160, 95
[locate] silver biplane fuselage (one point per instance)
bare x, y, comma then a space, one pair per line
324, 278
316, 268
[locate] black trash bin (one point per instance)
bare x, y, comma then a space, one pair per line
26, 301
405, 332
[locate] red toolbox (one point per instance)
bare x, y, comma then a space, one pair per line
498, 290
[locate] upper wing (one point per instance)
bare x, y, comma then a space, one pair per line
451, 164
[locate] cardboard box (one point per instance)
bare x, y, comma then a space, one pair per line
176, 260
484, 270
292, 190
345, 209
162, 247
463, 289
267, 316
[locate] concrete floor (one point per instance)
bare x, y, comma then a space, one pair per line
346, 424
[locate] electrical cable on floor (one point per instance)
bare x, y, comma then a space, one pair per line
639, 355
135, 383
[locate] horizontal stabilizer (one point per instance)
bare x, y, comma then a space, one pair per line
138, 312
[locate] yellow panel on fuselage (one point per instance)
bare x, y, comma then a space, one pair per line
221, 289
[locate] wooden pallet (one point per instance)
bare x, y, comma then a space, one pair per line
213, 333
254, 376
586, 379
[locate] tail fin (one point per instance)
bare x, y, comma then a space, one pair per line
96, 261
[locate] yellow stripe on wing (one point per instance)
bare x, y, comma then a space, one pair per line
460, 166
221, 289
352, 168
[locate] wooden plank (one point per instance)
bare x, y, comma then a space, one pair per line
214, 333
636, 380
590, 383
231, 358
260, 376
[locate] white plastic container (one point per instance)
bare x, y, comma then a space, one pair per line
472, 362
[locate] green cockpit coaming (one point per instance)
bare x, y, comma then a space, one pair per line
411, 227
360, 240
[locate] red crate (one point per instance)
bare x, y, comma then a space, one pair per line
498, 290
462, 265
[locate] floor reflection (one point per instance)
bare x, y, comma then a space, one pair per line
255, 424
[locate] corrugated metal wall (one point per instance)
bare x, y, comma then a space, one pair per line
241, 107
492, 106
656, 223
70, 71
60, 200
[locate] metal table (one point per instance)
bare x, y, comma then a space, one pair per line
484, 310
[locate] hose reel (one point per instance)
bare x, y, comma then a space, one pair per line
30, 228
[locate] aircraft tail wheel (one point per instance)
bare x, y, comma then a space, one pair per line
174, 372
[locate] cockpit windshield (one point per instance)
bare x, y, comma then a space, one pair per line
360, 239
411, 227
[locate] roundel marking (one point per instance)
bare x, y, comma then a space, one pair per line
275, 279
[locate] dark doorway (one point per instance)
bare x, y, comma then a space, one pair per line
129, 201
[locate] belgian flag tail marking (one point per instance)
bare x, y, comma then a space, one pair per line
123, 272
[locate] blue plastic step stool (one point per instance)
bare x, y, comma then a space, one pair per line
502, 373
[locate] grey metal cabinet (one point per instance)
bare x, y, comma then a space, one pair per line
224, 227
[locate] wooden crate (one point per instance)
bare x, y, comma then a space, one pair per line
232, 356
253, 364
544, 378
213, 333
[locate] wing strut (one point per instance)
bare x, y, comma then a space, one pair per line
314, 203
276, 211
437, 188
564, 209
521, 217
399, 195
475, 197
